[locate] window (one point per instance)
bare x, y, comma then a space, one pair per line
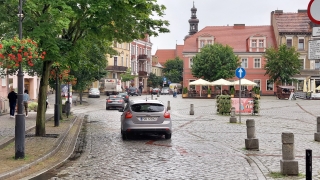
115, 61
244, 63
243, 88
190, 62
133, 49
254, 43
122, 61
210, 42
3, 80
258, 82
300, 85
261, 43
257, 63
302, 63
317, 64
289, 43
269, 85
301, 44
126, 61
201, 44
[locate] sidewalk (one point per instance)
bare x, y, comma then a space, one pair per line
37, 149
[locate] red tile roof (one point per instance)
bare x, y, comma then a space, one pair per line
293, 22
234, 36
164, 55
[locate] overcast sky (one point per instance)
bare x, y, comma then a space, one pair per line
218, 13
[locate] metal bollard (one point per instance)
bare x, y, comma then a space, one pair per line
151, 96
252, 143
317, 134
191, 109
168, 107
158, 94
308, 164
288, 164
233, 119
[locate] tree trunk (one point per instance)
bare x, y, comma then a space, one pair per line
80, 94
60, 100
42, 97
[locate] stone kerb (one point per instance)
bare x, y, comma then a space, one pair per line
317, 134
288, 164
252, 143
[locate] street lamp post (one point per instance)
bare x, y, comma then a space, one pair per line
56, 104
20, 118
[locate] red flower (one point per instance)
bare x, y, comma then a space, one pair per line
0, 46
25, 53
1, 56
19, 57
44, 53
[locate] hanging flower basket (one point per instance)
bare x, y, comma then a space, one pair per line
14, 52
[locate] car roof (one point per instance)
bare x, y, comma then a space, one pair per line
145, 101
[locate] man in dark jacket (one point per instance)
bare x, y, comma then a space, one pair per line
12, 96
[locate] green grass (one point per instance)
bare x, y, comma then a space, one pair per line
277, 175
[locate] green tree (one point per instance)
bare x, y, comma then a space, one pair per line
282, 64
58, 25
214, 62
173, 70
127, 76
154, 81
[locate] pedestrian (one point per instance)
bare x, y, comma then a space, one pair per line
140, 88
12, 96
26, 100
175, 92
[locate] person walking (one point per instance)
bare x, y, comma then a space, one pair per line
12, 96
175, 92
26, 100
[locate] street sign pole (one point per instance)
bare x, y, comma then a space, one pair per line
240, 101
240, 73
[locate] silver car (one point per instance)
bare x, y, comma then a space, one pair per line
165, 90
145, 117
115, 101
94, 92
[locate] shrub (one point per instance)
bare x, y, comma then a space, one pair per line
232, 91
185, 90
209, 91
33, 106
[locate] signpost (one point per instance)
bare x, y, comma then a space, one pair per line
314, 49
240, 73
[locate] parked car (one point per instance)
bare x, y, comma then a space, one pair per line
115, 101
134, 91
155, 90
94, 92
165, 90
125, 96
145, 117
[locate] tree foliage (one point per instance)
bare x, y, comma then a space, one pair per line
154, 81
282, 64
173, 70
127, 76
58, 25
214, 62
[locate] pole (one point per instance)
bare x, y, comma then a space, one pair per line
20, 118
56, 104
308, 164
240, 100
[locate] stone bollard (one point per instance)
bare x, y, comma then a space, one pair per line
168, 107
151, 96
288, 166
317, 134
158, 94
191, 109
233, 118
156, 98
252, 143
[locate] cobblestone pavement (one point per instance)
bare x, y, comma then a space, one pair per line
203, 146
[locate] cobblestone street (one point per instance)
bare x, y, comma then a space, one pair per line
203, 146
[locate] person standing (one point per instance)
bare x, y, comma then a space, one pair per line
175, 92
12, 96
26, 99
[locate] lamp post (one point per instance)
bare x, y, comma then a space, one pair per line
56, 104
20, 118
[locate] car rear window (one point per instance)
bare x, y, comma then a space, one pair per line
132, 89
147, 107
115, 97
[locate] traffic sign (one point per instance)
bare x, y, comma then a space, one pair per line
240, 73
314, 49
313, 11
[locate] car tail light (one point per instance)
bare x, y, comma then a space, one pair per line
120, 100
166, 115
108, 100
128, 115
127, 96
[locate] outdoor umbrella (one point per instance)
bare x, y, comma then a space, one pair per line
245, 82
201, 83
221, 82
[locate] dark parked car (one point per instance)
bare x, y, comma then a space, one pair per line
155, 91
145, 117
134, 91
115, 101
125, 96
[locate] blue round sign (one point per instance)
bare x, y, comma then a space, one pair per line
240, 73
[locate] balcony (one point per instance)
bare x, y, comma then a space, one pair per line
143, 73
142, 57
117, 68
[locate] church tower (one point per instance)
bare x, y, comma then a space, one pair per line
193, 22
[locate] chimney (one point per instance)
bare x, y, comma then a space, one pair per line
302, 11
239, 25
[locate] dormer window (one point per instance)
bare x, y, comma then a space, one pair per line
254, 43
261, 43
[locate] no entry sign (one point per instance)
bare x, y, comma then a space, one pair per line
313, 11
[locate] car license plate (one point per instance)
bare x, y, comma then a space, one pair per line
148, 118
